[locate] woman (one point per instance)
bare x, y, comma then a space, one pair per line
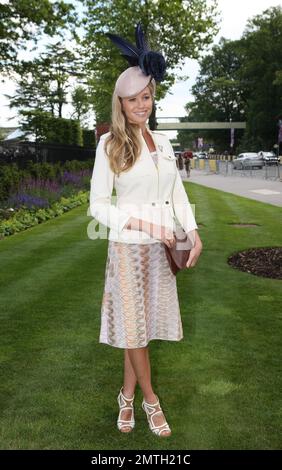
140, 300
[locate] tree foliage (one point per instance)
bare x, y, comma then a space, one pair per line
43, 83
24, 20
177, 29
218, 95
81, 103
242, 80
261, 77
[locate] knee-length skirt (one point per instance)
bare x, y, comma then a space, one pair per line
140, 299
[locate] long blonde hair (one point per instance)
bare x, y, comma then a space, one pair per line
123, 145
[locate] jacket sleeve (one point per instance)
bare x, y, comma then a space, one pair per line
101, 188
181, 204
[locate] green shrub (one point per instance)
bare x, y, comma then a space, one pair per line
89, 140
76, 132
45, 171
10, 177
52, 129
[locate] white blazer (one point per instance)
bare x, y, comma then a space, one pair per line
145, 192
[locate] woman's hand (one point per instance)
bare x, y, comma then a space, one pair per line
164, 234
195, 252
160, 232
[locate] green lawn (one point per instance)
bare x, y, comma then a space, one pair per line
219, 387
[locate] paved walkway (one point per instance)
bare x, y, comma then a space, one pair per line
253, 188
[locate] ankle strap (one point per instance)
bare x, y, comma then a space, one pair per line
124, 397
152, 404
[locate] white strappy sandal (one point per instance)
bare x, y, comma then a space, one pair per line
151, 411
125, 404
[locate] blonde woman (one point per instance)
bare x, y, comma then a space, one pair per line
140, 301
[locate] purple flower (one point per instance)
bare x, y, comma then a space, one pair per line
71, 178
19, 200
75, 178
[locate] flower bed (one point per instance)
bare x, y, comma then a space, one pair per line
40, 192
24, 218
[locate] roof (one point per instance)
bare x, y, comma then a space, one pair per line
18, 134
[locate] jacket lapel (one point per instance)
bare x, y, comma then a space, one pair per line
161, 148
145, 154
158, 143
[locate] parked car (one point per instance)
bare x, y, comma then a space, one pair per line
247, 160
269, 158
201, 155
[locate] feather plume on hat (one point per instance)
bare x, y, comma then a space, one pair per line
150, 62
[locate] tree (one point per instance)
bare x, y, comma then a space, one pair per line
218, 94
44, 82
177, 29
81, 103
261, 77
24, 20
242, 80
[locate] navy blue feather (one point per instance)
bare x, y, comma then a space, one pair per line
126, 47
140, 39
133, 61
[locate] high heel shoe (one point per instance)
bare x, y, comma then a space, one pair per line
125, 404
151, 411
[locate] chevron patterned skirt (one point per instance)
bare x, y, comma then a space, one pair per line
140, 300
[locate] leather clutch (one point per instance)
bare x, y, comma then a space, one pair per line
178, 255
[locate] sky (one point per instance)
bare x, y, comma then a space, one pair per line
234, 16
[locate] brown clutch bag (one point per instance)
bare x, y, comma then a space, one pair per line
178, 255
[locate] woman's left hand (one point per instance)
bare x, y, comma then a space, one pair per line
194, 253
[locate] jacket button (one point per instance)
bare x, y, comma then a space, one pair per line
167, 202
153, 203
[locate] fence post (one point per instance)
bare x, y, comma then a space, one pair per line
265, 171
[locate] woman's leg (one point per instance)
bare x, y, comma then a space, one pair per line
138, 369
130, 379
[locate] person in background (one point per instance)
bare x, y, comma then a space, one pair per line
187, 155
180, 162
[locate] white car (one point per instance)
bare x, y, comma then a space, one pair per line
248, 160
269, 157
201, 155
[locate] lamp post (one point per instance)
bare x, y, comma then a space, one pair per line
279, 136
232, 134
